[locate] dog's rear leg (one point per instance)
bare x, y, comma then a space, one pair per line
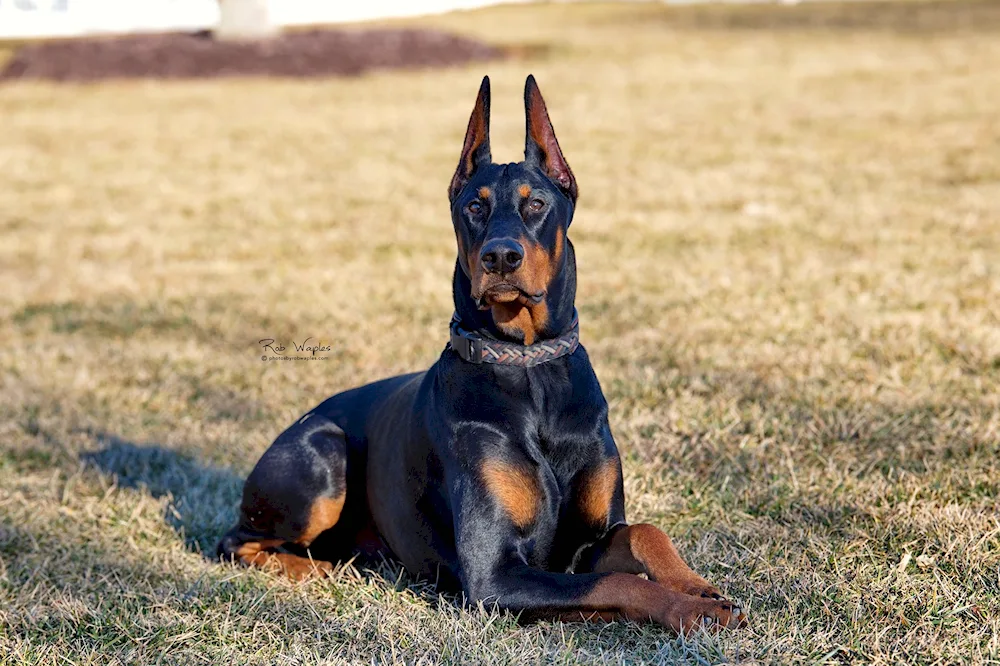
295, 493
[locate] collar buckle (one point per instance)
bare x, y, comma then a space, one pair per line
467, 345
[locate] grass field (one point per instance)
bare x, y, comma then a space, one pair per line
788, 240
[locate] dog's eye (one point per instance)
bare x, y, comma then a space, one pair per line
536, 205
474, 208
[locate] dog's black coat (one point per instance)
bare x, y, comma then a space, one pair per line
485, 478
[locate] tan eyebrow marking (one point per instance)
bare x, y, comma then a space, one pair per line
524, 190
484, 192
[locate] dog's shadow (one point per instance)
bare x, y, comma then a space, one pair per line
202, 499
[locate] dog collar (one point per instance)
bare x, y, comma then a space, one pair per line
474, 348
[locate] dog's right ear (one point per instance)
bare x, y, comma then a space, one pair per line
476, 151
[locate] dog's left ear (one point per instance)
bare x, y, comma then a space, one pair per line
476, 149
541, 148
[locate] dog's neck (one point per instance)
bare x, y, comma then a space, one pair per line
554, 313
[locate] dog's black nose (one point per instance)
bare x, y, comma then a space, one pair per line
502, 255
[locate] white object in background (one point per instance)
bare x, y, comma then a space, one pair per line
305, 12
245, 19
21, 19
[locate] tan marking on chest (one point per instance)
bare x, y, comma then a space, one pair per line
515, 488
596, 490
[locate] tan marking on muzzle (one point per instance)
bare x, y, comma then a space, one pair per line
516, 319
537, 267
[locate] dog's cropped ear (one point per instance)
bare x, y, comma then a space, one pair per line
540, 146
476, 151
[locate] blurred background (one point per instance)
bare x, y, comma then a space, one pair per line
788, 241
51, 18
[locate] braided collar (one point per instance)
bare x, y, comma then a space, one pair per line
474, 348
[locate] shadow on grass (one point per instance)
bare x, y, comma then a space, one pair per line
203, 500
50, 578
62, 600
202, 506
202, 497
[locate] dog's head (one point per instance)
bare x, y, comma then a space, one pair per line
511, 219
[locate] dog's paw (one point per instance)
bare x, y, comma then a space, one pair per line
702, 589
702, 613
300, 568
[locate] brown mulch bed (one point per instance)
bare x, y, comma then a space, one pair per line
294, 54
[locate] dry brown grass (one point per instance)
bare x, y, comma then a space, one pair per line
788, 243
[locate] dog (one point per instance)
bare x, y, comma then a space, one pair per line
494, 472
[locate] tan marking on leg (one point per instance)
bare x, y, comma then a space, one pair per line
586, 616
485, 192
324, 514
524, 190
634, 598
257, 554
597, 489
647, 549
515, 488
253, 553
619, 557
643, 601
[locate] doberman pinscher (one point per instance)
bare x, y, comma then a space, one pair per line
494, 472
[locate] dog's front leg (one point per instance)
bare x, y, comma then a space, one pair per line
599, 503
645, 549
537, 594
501, 506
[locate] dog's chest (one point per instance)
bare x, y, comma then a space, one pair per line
558, 528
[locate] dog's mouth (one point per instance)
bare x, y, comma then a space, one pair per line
505, 292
